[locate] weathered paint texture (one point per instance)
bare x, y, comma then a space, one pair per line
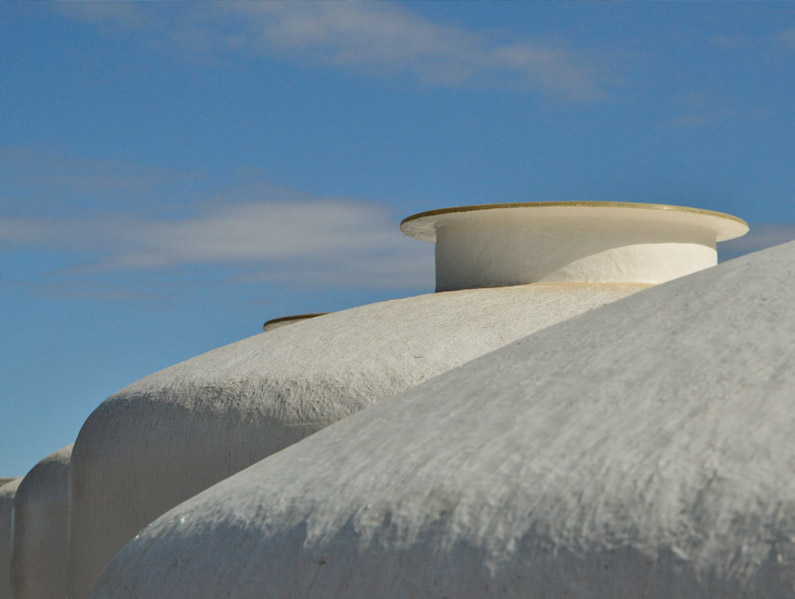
7, 492
604, 242
179, 431
644, 449
41, 527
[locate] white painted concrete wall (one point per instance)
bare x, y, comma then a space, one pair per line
7, 492
177, 432
41, 528
644, 449
514, 244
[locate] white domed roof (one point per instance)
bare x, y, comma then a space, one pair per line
7, 492
644, 449
492, 245
175, 433
178, 431
40, 539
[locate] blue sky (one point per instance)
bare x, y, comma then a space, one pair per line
172, 175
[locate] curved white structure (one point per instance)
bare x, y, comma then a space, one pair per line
644, 449
175, 433
494, 245
41, 528
7, 492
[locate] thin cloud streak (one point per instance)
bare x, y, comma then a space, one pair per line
59, 181
125, 14
701, 119
730, 41
260, 231
786, 38
320, 242
374, 38
111, 226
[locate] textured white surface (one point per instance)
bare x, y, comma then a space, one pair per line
513, 244
645, 449
41, 515
7, 492
175, 433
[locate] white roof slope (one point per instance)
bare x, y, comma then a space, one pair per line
171, 435
41, 528
7, 492
644, 449
177, 432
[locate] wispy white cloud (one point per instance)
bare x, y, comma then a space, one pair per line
734, 41
101, 290
127, 14
109, 218
319, 242
786, 38
698, 108
701, 118
57, 180
376, 38
730, 41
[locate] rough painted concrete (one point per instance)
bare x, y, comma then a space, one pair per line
644, 449
179, 431
604, 242
7, 492
41, 528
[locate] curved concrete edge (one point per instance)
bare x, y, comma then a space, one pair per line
424, 225
41, 528
494, 245
7, 492
220, 412
651, 457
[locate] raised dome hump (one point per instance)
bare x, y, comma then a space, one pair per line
492, 245
644, 449
41, 529
282, 321
7, 492
174, 433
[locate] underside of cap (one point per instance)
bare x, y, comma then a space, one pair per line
424, 225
